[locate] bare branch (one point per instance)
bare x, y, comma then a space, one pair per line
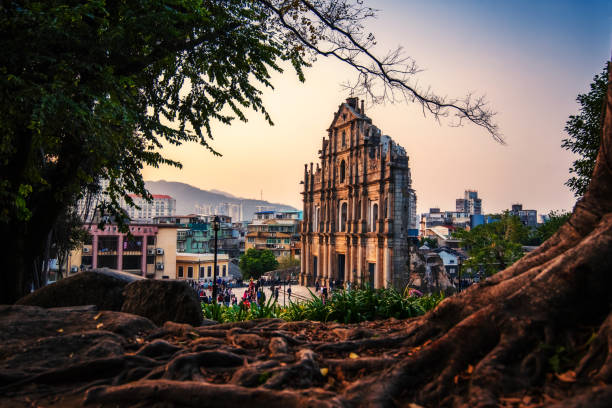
334, 28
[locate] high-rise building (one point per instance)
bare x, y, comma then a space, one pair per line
358, 205
529, 218
162, 205
470, 203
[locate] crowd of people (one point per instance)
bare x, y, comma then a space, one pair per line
255, 294
225, 294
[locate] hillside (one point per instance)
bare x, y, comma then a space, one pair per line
188, 197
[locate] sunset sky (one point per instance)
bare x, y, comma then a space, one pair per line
530, 59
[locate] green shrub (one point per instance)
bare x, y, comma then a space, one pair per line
342, 306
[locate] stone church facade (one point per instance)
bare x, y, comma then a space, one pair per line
358, 206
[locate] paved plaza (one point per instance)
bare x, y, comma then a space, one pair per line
298, 293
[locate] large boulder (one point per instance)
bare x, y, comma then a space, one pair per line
427, 272
162, 301
100, 287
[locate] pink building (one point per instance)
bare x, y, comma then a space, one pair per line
150, 251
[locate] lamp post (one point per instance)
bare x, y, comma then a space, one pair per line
215, 225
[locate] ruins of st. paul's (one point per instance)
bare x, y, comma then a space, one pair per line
358, 206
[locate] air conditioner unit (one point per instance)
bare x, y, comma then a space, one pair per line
86, 250
74, 269
150, 252
159, 266
159, 251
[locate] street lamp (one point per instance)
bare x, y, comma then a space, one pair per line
215, 225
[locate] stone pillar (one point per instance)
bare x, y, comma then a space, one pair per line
94, 251
303, 261
120, 252
378, 278
330, 263
360, 261
348, 266
323, 260
387, 265
143, 266
306, 257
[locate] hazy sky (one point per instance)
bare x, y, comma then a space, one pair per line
530, 59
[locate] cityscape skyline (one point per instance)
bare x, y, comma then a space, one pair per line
530, 60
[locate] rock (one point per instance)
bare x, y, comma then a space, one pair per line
35, 339
100, 287
427, 272
208, 322
162, 301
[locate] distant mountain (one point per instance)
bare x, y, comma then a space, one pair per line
188, 197
222, 193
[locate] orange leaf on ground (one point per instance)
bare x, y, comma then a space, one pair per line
568, 376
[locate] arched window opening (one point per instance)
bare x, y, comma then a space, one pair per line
343, 215
318, 219
342, 171
358, 210
343, 138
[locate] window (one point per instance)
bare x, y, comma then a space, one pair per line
180, 272
190, 272
374, 216
342, 171
343, 215
358, 210
251, 239
224, 270
343, 138
209, 271
201, 272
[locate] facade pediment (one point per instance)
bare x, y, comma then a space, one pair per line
347, 112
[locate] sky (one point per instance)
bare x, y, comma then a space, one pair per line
529, 58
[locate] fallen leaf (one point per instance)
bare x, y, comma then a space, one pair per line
139, 340
60, 330
470, 369
96, 317
353, 355
568, 376
456, 379
324, 371
413, 405
99, 325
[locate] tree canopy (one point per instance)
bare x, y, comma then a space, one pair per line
255, 262
585, 130
494, 246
